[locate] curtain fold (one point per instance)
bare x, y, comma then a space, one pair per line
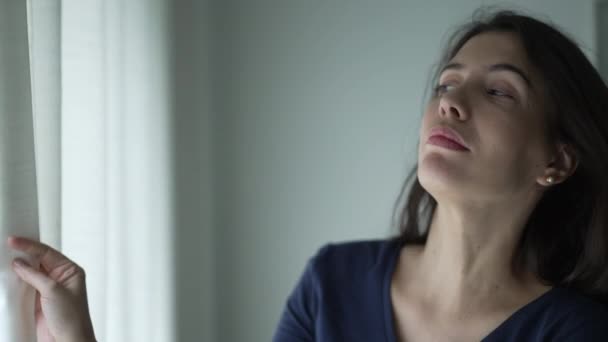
18, 194
45, 65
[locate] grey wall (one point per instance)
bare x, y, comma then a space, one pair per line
301, 135
192, 158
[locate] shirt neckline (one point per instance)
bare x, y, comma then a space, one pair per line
390, 333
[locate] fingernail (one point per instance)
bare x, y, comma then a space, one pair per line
21, 263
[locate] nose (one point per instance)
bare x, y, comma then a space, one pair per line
453, 104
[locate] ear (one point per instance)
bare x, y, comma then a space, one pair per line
562, 166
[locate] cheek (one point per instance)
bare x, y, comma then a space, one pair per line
502, 144
425, 126
515, 149
428, 120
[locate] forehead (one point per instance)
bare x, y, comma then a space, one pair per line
492, 48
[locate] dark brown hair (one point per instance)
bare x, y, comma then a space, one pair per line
565, 240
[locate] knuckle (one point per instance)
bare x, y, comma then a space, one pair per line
80, 271
74, 271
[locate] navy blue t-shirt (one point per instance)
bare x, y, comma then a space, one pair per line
344, 295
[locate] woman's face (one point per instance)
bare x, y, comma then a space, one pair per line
490, 95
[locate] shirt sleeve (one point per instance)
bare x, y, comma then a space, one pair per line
297, 322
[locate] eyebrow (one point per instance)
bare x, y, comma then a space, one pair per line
495, 67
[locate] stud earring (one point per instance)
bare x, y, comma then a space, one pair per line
550, 179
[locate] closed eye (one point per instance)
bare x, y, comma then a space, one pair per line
442, 88
496, 92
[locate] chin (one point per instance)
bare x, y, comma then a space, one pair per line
440, 177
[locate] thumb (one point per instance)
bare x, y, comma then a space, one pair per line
33, 277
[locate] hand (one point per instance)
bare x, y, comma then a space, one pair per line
62, 310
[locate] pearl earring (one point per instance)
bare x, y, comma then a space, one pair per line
550, 179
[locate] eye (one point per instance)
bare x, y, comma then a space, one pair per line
499, 93
442, 88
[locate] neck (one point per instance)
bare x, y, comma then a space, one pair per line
468, 255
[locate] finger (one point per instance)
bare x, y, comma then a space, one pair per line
33, 277
48, 257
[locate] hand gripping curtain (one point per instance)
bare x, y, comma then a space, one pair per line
29, 148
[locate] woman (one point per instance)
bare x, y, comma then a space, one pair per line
504, 233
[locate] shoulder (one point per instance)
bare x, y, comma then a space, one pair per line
355, 255
342, 284
573, 303
352, 266
574, 316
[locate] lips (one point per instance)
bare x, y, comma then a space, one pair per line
447, 137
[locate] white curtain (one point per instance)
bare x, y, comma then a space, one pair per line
115, 163
85, 82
